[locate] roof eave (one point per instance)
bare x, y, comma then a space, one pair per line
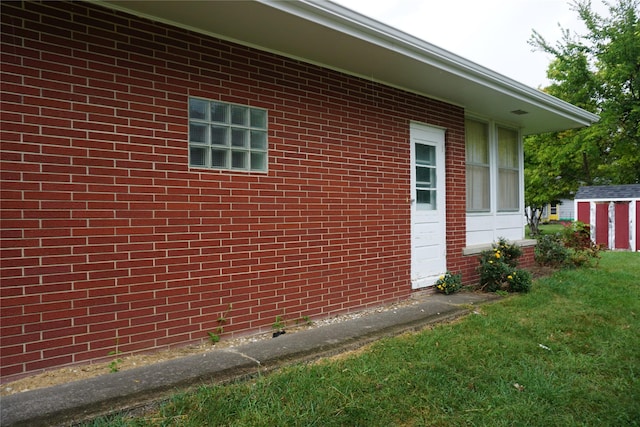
328, 34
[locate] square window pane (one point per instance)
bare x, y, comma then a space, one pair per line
198, 133
219, 112
219, 158
477, 142
239, 137
197, 109
478, 188
258, 118
239, 159
426, 177
426, 200
259, 161
219, 135
258, 140
239, 115
425, 155
507, 148
197, 156
508, 197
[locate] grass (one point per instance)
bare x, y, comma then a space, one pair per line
549, 228
566, 354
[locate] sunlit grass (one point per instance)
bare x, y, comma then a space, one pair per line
566, 354
550, 228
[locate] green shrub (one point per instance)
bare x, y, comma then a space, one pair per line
493, 270
509, 252
519, 281
498, 270
449, 283
550, 251
570, 248
577, 237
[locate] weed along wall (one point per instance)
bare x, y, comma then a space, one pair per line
110, 234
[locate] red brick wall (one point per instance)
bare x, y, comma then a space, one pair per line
106, 231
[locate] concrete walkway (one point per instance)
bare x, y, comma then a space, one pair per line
77, 401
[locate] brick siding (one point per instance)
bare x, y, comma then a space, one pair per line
108, 234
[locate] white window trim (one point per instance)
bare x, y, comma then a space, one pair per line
485, 227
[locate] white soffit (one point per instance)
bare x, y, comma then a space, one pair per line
324, 33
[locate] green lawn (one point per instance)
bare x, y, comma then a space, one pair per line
566, 354
550, 228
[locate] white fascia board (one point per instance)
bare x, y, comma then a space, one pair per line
349, 22
609, 199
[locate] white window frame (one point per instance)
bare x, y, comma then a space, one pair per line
485, 227
243, 144
504, 168
486, 166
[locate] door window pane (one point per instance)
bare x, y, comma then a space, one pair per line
425, 155
426, 200
425, 177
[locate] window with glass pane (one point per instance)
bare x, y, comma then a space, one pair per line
425, 177
508, 170
478, 167
227, 136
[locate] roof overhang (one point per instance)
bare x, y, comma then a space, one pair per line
324, 33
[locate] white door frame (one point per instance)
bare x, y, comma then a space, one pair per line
428, 225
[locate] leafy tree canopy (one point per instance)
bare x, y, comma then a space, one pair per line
598, 71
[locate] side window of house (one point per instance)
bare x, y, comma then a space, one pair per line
492, 153
508, 170
478, 167
227, 136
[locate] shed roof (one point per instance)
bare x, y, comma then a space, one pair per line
327, 34
609, 192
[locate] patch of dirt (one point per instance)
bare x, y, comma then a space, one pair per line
538, 271
81, 372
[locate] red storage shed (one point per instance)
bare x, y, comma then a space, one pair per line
613, 212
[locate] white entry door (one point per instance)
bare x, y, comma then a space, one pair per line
428, 244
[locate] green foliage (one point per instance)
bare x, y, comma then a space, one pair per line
493, 271
572, 247
577, 237
279, 324
510, 252
519, 281
597, 71
114, 365
304, 320
449, 283
213, 338
550, 251
498, 269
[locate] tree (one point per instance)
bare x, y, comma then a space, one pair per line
599, 72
